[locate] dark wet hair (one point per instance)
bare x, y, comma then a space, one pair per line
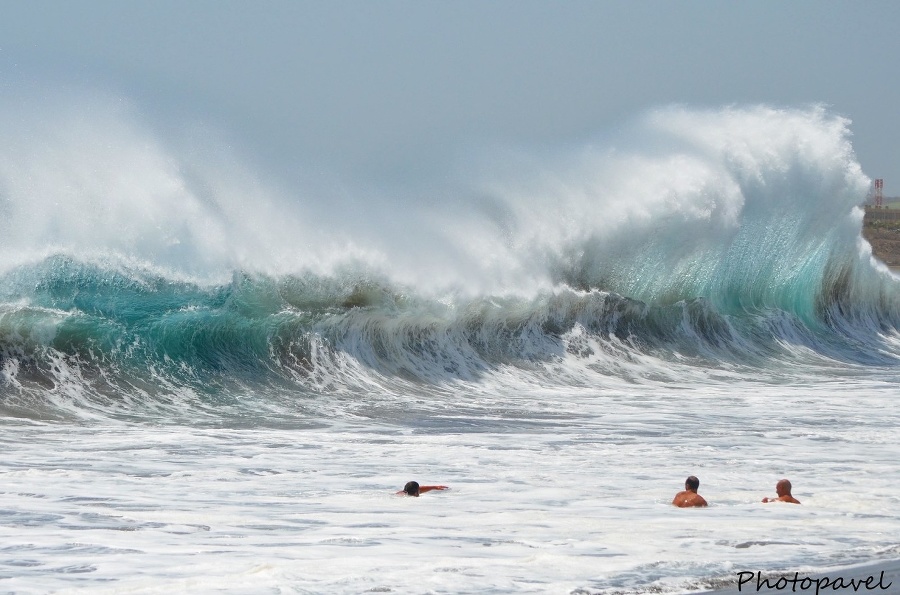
411, 488
692, 483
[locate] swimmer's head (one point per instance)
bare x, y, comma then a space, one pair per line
411, 488
783, 488
691, 483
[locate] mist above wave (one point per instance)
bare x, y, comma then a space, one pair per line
732, 205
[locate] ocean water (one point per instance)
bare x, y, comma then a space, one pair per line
211, 384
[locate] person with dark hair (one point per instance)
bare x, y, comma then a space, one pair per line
689, 497
412, 488
783, 489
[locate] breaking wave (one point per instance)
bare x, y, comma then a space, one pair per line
138, 279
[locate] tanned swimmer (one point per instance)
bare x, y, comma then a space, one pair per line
689, 497
783, 489
412, 488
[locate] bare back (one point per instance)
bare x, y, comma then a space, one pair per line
688, 499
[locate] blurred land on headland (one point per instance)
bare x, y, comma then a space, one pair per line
881, 228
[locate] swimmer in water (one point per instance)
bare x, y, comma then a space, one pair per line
783, 489
412, 488
689, 497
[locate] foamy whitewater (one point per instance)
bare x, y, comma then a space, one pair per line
210, 382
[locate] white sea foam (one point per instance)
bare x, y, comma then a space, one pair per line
550, 492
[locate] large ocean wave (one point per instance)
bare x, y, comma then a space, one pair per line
139, 276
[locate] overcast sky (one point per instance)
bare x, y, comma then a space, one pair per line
383, 90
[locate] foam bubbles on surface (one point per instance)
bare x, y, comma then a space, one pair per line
539, 502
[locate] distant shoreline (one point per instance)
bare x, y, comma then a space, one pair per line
884, 236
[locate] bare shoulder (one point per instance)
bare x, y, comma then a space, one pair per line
687, 499
789, 499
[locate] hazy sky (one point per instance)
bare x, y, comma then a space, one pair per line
388, 90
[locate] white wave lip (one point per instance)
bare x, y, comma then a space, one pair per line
674, 202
